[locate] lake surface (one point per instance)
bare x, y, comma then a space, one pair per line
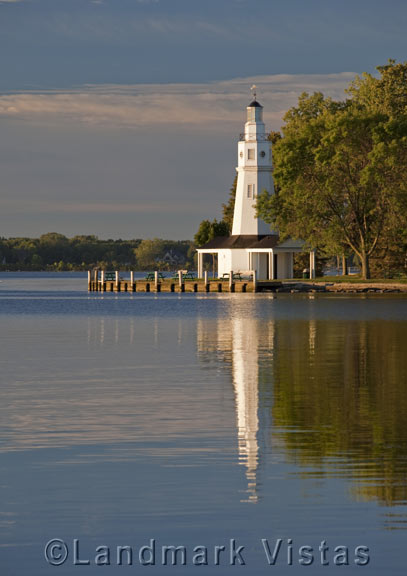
194, 420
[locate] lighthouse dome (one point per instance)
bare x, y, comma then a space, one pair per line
255, 111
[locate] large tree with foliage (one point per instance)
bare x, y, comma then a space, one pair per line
208, 230
339, 168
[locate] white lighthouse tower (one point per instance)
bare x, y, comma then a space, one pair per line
254, 172
252, 246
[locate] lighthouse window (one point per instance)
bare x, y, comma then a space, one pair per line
250, 154
250, 191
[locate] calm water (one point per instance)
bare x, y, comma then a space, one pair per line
197, 419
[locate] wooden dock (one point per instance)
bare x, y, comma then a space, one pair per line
125, 285
100, 281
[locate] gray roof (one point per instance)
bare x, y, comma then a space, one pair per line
255, 104
242, 241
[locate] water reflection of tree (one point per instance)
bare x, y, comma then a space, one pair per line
340, 386
335, 392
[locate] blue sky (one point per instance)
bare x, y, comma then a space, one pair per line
120, 117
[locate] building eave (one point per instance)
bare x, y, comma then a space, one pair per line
241, 242
252, 243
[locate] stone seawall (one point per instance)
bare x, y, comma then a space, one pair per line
343, 287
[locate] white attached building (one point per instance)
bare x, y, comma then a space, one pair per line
252, 245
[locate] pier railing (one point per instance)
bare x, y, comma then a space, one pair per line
103, 281
243, 137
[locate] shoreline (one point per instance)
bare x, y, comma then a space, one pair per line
364, 287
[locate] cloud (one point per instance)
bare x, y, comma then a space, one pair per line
211, 106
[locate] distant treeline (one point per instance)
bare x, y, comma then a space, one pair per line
55, 251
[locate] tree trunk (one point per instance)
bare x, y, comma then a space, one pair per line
365, 266
344, 266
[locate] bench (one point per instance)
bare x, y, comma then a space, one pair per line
189, 276
151, 276
185, 275
236, 276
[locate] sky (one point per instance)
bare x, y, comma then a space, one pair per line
120, 118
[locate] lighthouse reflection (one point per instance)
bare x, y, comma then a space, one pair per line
246, 386
238, 340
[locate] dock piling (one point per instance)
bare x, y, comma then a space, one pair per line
254, 272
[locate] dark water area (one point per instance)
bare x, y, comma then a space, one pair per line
273, 422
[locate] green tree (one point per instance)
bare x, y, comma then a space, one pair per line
340, 168
229, 208
274, 137
164, 254
54, 247
386, 96
149, 252
209, 230
291, 209
36, 262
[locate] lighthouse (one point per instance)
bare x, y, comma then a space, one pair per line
252, 245
254, 172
